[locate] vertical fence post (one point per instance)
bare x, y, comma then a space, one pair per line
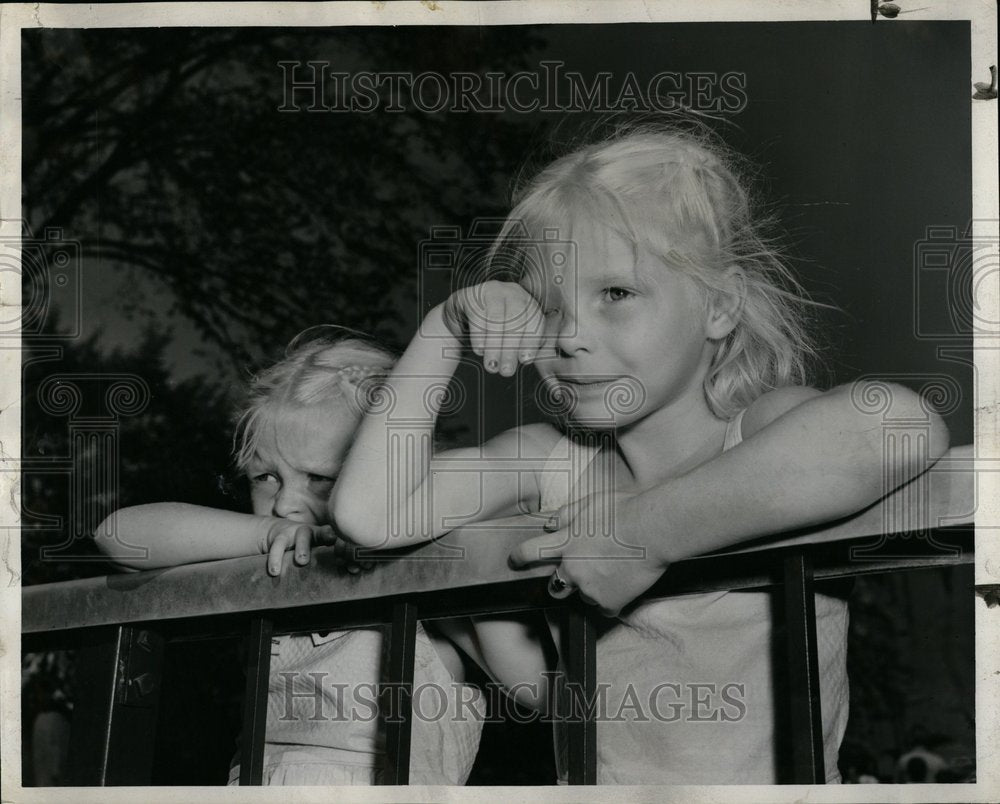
803, 671
580, 651
97, 674
258, 669
397, 695
114, 724
137, 705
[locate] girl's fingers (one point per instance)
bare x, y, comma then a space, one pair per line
493, 325
303, 541
559, 520
535, 335
324, 536
518, 331
545, 549
508, 337
475, 312
340, 549
534, 332
276, 552
299, 538
522, 320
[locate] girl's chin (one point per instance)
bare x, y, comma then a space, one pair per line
598, 417
606, 409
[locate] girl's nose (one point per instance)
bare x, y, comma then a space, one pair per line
568, 337
288, 504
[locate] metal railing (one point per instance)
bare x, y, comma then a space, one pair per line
119, 624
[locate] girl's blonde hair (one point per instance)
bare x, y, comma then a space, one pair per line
678, 192
322, 365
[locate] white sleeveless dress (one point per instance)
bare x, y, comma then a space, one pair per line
691, 688
322, 714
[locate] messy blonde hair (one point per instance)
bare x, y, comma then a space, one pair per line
678, 192
322, 365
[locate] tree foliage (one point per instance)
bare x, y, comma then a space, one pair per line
164, 152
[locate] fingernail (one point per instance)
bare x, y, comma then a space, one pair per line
524, 357
300, 557
552, 523
506, 369
492, 365
272, 569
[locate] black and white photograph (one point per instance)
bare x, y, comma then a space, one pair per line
500, 396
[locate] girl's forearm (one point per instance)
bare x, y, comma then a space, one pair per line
517, 652
170, 534
820, 461
377, 501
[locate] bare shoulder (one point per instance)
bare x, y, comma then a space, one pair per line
765, 409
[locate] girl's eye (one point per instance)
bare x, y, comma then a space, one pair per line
264, 477
617, 294
321, 479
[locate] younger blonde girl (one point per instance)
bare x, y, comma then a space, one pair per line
298, 421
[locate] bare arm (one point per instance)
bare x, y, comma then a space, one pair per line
807, 457
178, 533
393, 491
517, 652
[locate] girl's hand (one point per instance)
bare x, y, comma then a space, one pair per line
285, 534
504, 323
595, 551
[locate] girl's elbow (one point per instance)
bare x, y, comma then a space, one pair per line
891, 402
939, 438
108, 543
355, 523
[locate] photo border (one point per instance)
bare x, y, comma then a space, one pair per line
16, 17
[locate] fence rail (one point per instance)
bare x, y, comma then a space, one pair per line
120, 623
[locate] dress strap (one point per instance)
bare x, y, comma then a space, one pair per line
562, 471
734, 431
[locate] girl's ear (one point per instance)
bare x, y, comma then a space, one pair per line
726, 305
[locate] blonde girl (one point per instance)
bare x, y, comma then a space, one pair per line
297, 423
670, 337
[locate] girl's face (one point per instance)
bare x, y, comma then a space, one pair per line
297, 462
628, 336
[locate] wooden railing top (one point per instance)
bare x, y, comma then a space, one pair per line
476, 557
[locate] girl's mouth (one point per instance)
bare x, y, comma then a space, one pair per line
584, 381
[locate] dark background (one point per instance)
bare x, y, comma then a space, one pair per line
211, 228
